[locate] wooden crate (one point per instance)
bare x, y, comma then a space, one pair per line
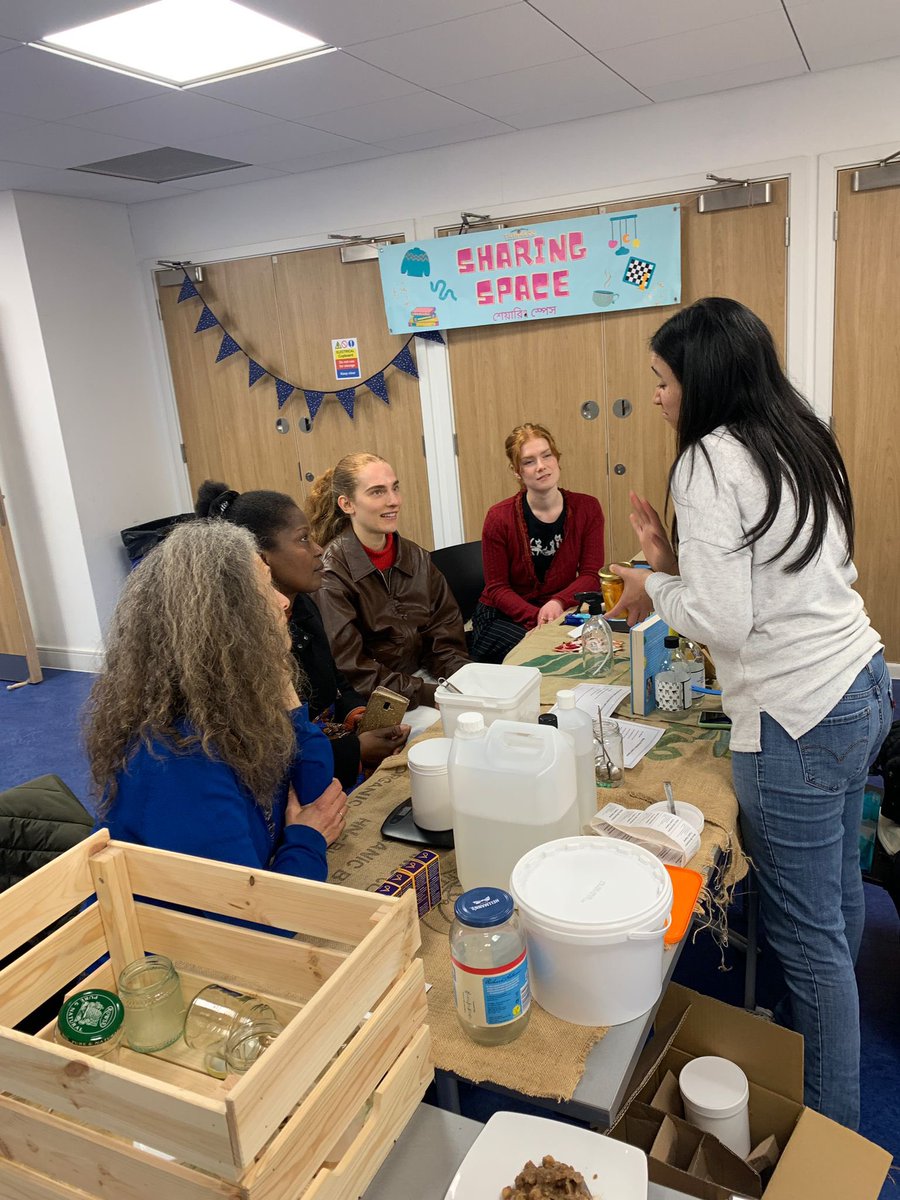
292, 1128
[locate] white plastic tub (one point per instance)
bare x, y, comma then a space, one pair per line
716, 1096
430, 784
595, 911
499, 693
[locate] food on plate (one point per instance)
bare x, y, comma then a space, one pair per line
552, 1180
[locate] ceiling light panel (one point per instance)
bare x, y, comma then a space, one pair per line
185, 44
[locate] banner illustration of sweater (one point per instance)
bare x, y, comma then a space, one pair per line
609, 262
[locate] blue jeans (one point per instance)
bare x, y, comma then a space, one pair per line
801, 807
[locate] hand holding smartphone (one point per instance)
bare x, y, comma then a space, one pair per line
385, 708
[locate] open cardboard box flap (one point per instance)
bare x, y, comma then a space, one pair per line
820, 1160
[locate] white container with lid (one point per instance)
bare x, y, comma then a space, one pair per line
430, 784
498, 692
716, 1096
595, 911
512, 787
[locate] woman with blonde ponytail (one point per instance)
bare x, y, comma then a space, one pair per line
390, 617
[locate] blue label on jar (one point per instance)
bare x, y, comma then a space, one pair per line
494, 996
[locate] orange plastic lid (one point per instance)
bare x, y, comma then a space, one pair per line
686, 885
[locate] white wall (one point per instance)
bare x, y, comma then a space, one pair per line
87, 293
34, 471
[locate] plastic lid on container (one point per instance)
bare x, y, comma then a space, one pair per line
671, 640
489, 682
715, 1087
592, 885
484, 907
548, 719
565, 698
429, 757
469, 724
91, 1018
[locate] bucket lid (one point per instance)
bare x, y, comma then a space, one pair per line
483, 907
592, 884
715, 1087
429, 757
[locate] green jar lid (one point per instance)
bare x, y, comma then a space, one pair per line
91, 1018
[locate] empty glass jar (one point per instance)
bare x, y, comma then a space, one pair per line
150, 990
231, 1028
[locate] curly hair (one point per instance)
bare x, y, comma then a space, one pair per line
527, 433
193, 639
326, 519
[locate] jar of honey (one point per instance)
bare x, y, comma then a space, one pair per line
611, 588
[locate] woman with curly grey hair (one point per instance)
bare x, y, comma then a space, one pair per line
197, 740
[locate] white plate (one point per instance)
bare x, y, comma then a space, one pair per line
509, 1140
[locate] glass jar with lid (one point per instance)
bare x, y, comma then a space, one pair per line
490, 967
150, 990
91, 1021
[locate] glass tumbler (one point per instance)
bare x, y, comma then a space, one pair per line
609, 753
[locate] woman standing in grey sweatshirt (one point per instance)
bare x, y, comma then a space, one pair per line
763, 576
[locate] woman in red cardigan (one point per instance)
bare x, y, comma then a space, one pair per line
540, 547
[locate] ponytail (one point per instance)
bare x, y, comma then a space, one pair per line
326, 518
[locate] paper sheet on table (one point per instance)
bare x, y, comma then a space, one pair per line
637, 740
669, 837
605, 696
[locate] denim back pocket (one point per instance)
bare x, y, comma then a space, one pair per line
836, 751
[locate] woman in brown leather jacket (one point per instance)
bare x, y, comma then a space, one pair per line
388, 612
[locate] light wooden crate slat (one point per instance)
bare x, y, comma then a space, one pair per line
50, 965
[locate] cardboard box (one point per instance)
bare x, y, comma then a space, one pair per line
819, 1160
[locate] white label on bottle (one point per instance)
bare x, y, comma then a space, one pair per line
494, 995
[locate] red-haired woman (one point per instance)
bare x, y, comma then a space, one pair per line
540, 547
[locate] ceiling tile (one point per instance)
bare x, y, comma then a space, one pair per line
603, 24
272, 143
12, 124
174, 119
6, 44
351, 153
28, 20
420, 112
75, 183
229, 178
299, 90
717, 49
834, 33
447, 137
578, 87
723, 81
506, 39
54, 145
347, 22
48, 87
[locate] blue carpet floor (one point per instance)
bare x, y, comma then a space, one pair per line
40, 734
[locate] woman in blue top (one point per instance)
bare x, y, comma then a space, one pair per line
197, 740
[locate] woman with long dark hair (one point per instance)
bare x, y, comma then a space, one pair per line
763, 576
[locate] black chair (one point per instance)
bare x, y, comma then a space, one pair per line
463, 569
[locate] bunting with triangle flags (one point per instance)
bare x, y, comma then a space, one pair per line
346, 397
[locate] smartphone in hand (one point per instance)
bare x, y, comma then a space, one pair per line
385, 708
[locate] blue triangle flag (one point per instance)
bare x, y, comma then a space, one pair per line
430, 335
406, 362
378, 387
229, 346
187, 289
346, 398
283, 391
314, 403
256, 372
207, 320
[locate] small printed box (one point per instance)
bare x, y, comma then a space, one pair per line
400, 880
391, 889
418, 874
433, 869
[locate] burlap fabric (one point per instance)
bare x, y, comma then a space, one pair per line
548, 1059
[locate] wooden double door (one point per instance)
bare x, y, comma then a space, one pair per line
284, 310
572, 374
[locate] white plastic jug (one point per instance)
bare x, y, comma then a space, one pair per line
512, 787
580, 728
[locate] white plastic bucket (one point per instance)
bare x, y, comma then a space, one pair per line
499, 693
430, 784
716, 1095
595, 911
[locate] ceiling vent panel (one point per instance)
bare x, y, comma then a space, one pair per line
164, 165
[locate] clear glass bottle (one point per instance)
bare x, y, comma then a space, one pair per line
673, 681
91, 1021
490, 967
596, 639
150, 990
609, 753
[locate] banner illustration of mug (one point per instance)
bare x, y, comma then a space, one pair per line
609, 262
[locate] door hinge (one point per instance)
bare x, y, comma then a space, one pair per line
183, 454
787, 231
834, 226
